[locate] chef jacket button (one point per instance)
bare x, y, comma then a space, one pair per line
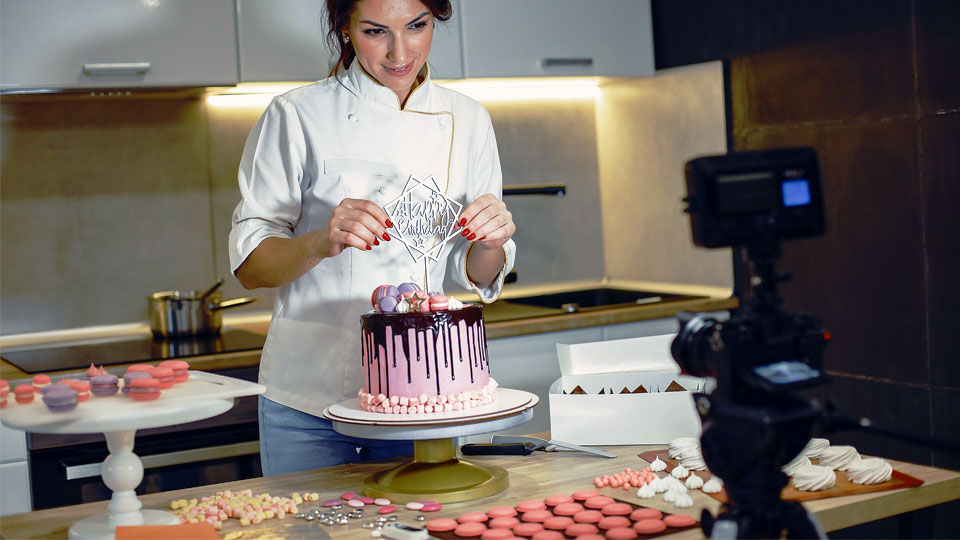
444, 121
352, 117
382, 190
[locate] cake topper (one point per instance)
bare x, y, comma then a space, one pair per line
424, 219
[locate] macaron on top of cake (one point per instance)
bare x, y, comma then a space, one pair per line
144, 389
180, 369
104, 385
61, 398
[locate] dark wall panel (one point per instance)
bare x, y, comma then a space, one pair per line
938, 54
864, 277
940, 170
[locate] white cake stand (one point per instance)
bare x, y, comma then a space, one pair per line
435, 473
119, 417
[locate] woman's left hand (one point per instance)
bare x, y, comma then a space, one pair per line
487, 222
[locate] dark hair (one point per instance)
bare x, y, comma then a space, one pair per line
338, 18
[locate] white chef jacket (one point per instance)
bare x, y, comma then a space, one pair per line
346, 137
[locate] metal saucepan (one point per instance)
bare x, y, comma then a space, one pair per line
187, 313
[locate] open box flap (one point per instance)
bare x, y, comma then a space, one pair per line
635, 355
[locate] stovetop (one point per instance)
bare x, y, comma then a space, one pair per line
146, 350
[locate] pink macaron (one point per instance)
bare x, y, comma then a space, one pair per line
163, 375
181, 369
40, 381
145, 389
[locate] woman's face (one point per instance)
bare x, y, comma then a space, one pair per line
392, 40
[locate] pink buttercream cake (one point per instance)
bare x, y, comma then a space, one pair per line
425, 362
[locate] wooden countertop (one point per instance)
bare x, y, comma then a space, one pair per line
494, 329
534, 476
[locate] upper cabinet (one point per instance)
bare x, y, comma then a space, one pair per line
116, 43
555, 38
286, 41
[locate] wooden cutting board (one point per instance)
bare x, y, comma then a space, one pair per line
844, 485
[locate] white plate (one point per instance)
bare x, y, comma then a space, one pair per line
509, 401
183, 402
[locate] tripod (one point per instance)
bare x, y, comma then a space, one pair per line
746, 446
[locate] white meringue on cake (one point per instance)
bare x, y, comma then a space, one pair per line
713, 485
814, 478
839, 457
658, 465
870, 471
694, 482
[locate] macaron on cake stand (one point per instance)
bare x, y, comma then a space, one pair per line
424, 220
119, 417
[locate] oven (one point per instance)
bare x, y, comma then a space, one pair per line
65, 469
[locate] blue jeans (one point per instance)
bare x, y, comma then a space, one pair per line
292, 440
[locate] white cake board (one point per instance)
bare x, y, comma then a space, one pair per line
512, 408
119, 417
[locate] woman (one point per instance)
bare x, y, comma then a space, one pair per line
316, 172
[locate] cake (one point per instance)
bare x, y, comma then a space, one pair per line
423, 353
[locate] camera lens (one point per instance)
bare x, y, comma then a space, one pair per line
690, 348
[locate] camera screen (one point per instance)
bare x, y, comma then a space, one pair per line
795, 192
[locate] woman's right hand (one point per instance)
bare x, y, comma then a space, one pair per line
278, 261
355, 223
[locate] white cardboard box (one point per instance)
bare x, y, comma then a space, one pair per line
653, 417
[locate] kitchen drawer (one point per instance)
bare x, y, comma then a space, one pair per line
13, 444
56, 44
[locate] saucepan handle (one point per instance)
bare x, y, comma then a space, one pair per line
236, 302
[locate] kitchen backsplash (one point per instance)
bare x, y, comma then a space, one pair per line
104, 201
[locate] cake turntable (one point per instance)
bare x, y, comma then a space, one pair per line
435, 472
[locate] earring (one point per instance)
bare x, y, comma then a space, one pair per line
346, 37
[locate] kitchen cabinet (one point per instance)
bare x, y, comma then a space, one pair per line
64, 44
14, 472
286, 41
537, 38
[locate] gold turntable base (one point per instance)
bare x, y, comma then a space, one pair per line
436, 474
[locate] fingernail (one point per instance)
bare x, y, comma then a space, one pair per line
471, 237
389, 224
386, 237
376, 242
465, 232
368, 247
463, 221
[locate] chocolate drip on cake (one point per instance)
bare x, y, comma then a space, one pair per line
466, 325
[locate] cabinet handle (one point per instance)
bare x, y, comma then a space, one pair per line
76, 472
116, 68
566, 62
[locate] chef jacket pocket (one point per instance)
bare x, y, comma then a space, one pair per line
370, 180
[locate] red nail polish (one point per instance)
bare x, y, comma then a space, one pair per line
471, 237
368, 247
465, 232
386, 237
463, 221
376, 242
389, 224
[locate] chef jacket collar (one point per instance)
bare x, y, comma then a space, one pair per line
366, 87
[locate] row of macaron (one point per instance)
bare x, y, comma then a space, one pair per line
410, 297
142, 382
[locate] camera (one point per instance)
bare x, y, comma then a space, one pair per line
755, 421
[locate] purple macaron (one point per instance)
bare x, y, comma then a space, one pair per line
104, 385
61, 399
408, 287
131, 376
